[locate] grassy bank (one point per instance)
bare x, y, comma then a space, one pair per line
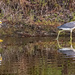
31, 17
46, 12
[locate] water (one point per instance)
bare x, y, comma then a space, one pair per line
37, 56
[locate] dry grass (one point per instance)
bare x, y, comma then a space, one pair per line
18, 10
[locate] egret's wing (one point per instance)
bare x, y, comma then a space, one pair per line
67, 25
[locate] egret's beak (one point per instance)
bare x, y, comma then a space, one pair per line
0, 22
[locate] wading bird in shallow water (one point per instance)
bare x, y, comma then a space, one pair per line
0, 27
68, 27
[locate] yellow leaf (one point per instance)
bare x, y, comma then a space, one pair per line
1, 40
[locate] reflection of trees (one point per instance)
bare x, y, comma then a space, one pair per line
36, 58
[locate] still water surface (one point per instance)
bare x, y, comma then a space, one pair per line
37, 56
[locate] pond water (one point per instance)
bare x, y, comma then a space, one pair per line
37, 56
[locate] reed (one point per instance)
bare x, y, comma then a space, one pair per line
17, 10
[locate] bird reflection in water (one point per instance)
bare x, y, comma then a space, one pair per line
68, 51
0, 59
0, 27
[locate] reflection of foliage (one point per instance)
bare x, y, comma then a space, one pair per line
1, 50
44, 45
34, 57
45, 70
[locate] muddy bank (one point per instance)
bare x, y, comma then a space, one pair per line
30, 30
27, 30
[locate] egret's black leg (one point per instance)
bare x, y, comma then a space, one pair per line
59, 34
